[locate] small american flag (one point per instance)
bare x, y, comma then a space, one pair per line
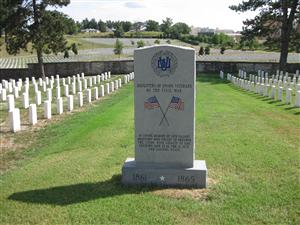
176, 103
151, 103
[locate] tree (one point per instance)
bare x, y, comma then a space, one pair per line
250, 44
215, 39
276, 21
137, 26
101, 26
152, 25
89, 24
78, 25
201, 51
126, 25
118, 47
74, 49
178, 29
31, 22
119, 32
109, 24
165, 27
70, 26
85, 24
207, 50
222, 39
66, 54
222, 50
226, 40
140, 43
7, 7
93, 24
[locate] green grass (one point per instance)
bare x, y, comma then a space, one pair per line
94, 35
83, 44
71, 174
78, 39
143, 34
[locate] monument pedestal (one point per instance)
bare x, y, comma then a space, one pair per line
133, 174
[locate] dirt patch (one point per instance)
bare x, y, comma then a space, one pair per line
183, 193
10, 151
8, 143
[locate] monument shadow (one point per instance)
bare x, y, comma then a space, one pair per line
77, 193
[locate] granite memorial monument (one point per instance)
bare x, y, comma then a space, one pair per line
164, 92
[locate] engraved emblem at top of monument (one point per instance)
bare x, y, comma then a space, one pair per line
164, 63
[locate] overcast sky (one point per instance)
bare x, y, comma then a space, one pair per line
198, 13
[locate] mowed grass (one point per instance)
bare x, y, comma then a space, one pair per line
83, 44
72, 171
80, 42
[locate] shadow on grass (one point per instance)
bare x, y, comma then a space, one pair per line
274, 101
76, 193
291, 107
282, 104
261, 97
210, 78
267, 99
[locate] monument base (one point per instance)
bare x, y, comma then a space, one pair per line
195, 177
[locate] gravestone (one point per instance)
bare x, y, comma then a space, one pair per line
47, 109
59, 106
102, 90
38, 98
32, 114
96, 96
70, 103
14, 118
164, 92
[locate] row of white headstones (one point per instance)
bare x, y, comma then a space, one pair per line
267, 87
78, 84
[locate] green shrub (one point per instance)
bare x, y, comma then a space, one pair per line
74, 48
207, 50
222, 50
118, 47
201, 51
66, 54
140, 44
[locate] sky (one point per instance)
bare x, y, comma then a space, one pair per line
197, 13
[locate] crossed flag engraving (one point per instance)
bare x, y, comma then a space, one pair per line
175, 103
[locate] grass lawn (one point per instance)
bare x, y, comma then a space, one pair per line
81, 44
71, 171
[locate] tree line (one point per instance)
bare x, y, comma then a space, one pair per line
167, 27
